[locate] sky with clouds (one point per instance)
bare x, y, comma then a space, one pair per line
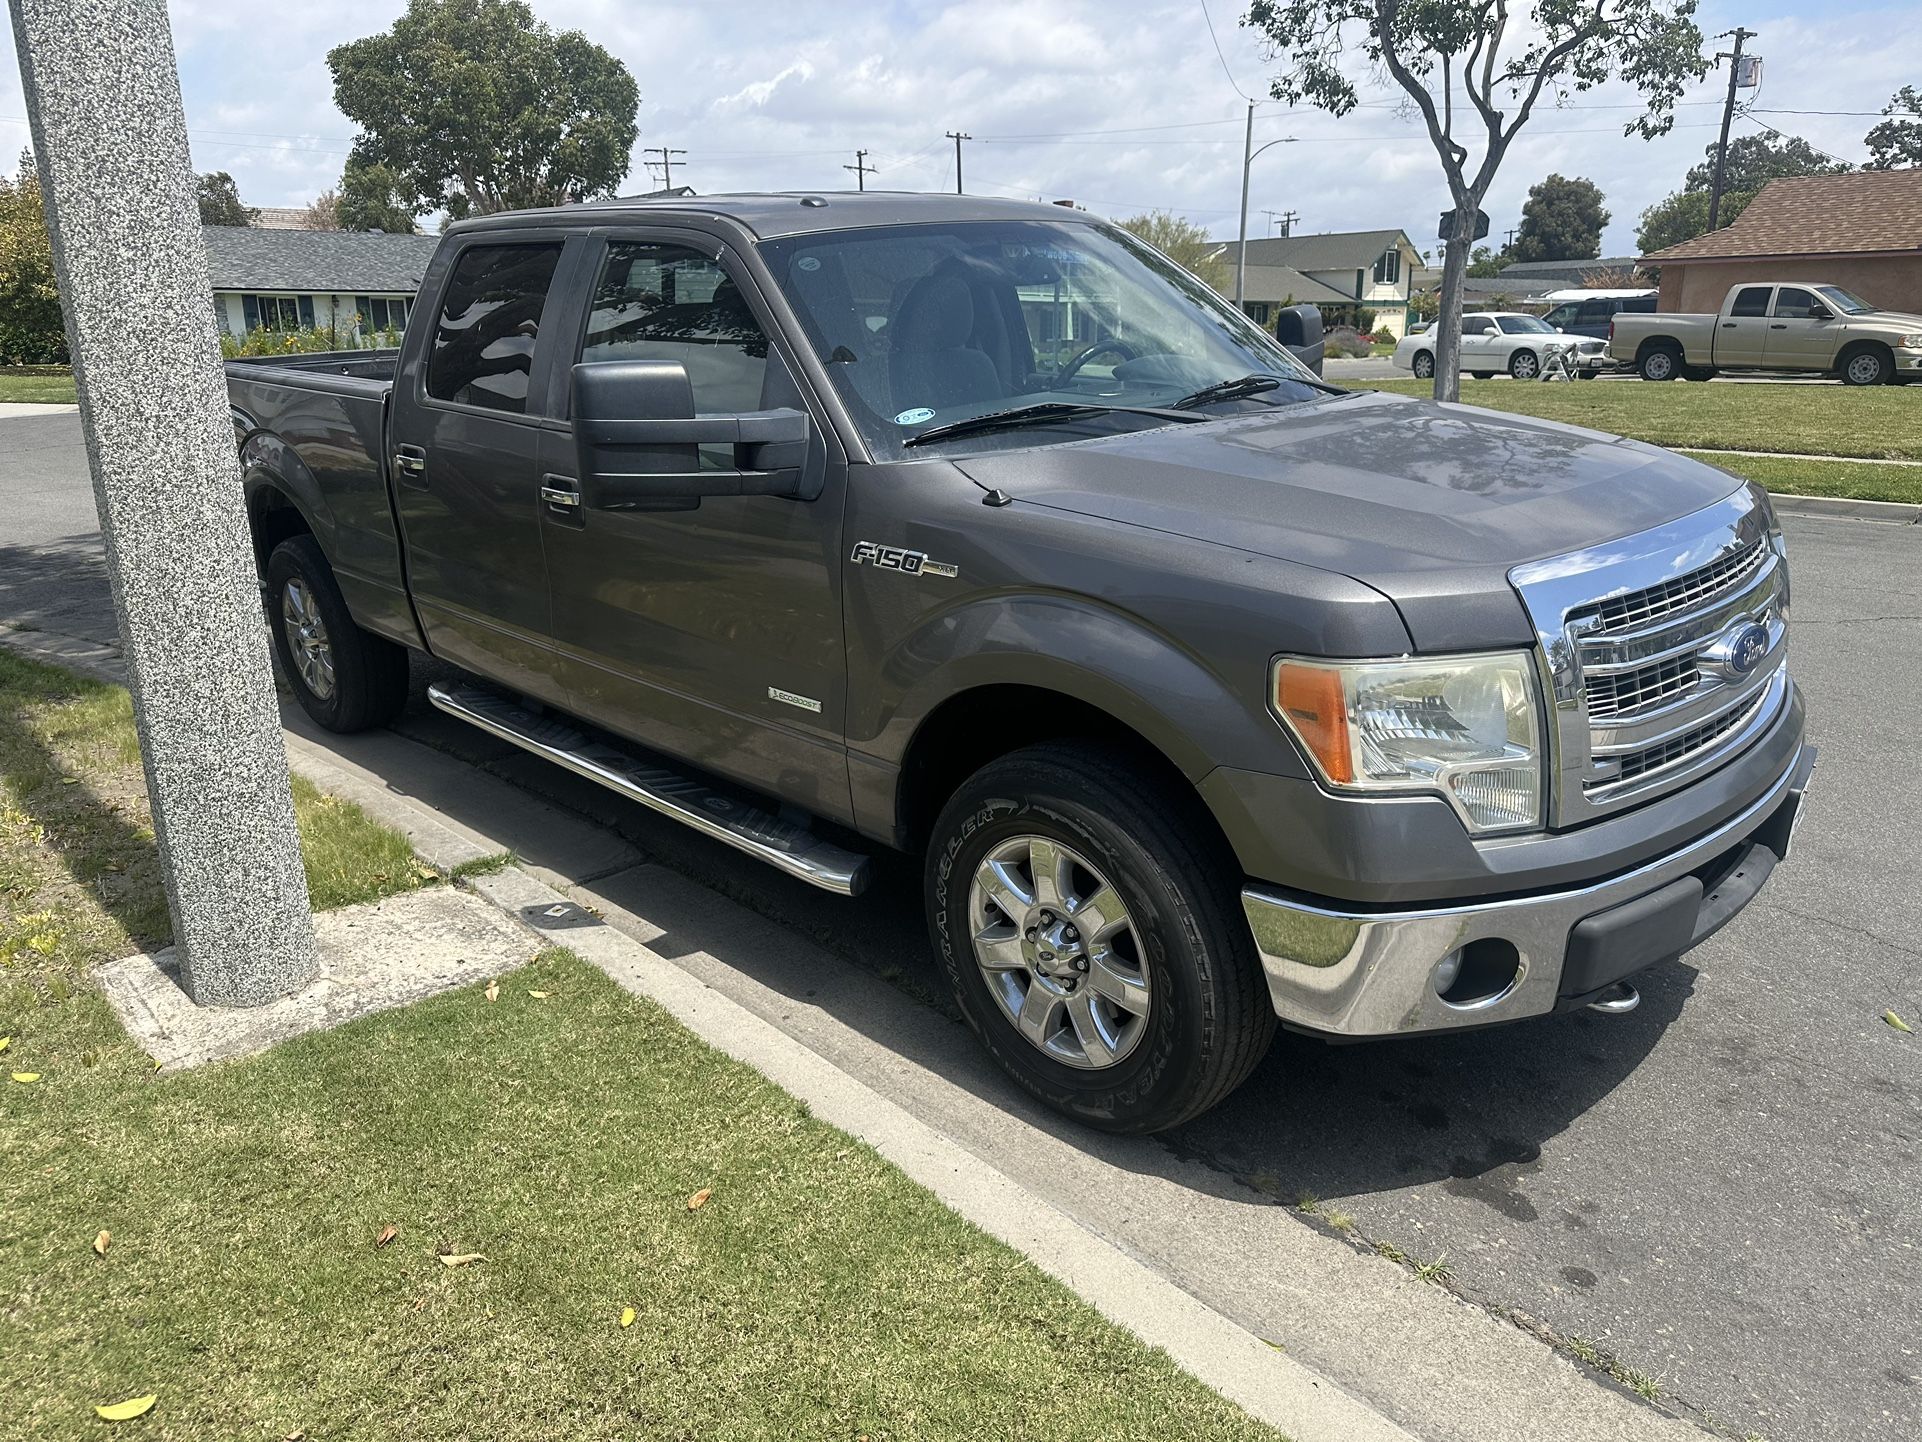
1122, 105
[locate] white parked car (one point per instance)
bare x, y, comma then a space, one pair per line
1501, 340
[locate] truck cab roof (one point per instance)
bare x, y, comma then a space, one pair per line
769, 216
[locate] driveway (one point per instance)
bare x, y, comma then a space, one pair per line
1719, 1189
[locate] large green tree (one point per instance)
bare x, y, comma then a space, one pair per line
1183, 242
1753, 161
1485, 262
219, 201
1896, 143
371, 199
1476, 69
476, 106
31, 332
1563, 219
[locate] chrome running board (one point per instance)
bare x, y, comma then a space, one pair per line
658, 786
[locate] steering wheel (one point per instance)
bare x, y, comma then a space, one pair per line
1100, 347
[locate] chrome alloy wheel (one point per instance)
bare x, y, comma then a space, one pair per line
1059, 952
307, 640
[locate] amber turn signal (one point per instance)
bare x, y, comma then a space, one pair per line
1314, 702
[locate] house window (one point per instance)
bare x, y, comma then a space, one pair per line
381, 313
277, 312
1388, 266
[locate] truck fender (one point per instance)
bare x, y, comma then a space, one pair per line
276, 478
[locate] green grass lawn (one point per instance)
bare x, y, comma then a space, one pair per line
1845, 479
36, 383
1883, 422
817, 1293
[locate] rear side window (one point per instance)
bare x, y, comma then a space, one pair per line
666, 302
1640, 305
489, 321
1597, 312
1751, 300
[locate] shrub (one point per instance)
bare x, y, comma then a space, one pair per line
306, 340
1345, 342
1364, 320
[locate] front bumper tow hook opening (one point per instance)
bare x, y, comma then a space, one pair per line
1619, 1000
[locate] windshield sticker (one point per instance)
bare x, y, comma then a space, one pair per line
914, 417
808, 263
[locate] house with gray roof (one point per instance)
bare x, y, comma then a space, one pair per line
1345, 272
353, 281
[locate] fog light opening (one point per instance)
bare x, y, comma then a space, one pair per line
1479, 974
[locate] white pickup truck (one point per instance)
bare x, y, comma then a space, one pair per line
1766, 326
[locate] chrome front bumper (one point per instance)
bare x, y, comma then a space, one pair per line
1371, 973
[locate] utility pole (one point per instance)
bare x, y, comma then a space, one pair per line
1734, 58
1248, 154
957, 136
1508, 242
1288, 219
666, 162
862, 170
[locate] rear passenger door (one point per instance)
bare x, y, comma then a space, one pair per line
1741, 336
466, 437
712, 633
1478, 344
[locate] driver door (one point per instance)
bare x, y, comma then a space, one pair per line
1797, 340
713, 632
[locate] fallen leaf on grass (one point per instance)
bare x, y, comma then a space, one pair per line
295, 1437
493, 991
5, 1042
1890, 1017
627, 1316
103, 1241
128, 1410
460, 1259
387, 1234
540, 995
26, 1076
699, 1199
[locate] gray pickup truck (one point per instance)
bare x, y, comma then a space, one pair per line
1210, 693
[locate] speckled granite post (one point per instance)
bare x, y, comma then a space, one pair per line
103, 100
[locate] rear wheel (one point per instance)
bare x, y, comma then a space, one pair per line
1094, 938
1424, 366
345, 678
1483, 375
1524, 365
1869, 365
1659, 363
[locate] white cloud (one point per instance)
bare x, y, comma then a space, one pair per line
769, 95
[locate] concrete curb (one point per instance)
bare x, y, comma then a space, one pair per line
1835, 508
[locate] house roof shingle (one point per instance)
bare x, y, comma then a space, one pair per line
324, 261
1277, 283
1866, 210
1337, 250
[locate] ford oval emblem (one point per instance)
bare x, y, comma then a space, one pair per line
1746, 649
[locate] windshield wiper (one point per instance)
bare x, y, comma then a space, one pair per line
1038, 414
1249, 385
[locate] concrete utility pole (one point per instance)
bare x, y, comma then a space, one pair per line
666, 162
957, 137
862, 170
103, 104
1734, 59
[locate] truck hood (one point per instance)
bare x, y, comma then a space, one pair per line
1429, 504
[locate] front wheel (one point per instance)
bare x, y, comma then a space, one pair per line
1424, 366
1869, 366
1094, 938
345, 678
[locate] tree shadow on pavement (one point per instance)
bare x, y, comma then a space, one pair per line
58, 586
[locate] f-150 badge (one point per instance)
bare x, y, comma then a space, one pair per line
893, 558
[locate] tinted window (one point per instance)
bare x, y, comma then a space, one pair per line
1561, 315
1475, 325
1640, 305
1751, 300
1792, 303
1597, 312
665, 302
489, 320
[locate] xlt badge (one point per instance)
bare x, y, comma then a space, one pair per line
893, 558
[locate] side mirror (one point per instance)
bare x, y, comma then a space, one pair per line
1299, 328
1818, 311
638, 441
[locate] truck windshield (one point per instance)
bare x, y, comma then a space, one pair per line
1845, 301
924, 325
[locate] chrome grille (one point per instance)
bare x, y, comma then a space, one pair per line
1640, 641
1683, 593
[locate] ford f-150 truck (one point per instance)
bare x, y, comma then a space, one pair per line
1770, 327
1212, 694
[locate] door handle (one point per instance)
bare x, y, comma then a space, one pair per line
562, 497
1778, 327
410, 463
1728, 325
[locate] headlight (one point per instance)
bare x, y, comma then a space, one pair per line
1466, 727
1911, 342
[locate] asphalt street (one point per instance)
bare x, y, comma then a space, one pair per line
1718, 1189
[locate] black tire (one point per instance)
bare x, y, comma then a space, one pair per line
1525, 365
1423, 366
1208, 1020
369, 673
1659, 363
1866, 365
1483, 375
1697, 373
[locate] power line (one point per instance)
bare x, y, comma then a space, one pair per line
1234, 84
